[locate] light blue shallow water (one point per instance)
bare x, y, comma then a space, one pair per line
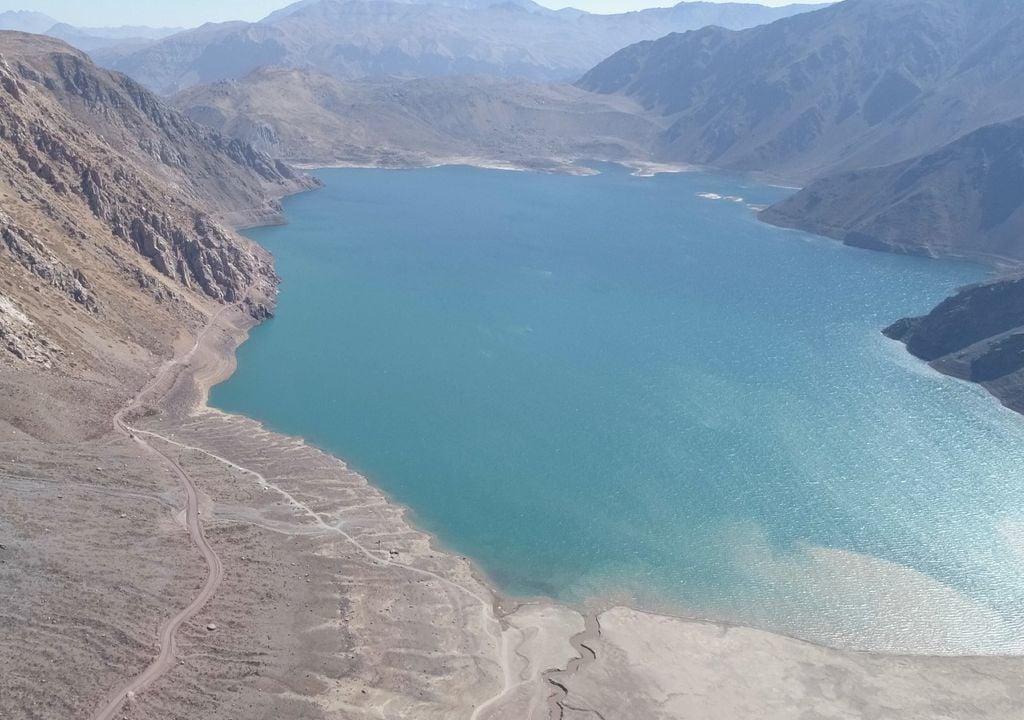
609, 387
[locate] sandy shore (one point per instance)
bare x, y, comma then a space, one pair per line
362, 616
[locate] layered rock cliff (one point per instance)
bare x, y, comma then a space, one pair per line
111, 209
224, 175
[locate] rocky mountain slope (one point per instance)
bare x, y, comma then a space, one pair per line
965, 199
857, 84
222, 174
308, 117
976, 335
360, 38
108, 236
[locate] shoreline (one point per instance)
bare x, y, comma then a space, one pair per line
546, 658
534, 658
589, 607
559, 166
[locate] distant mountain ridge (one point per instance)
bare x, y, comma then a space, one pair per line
352, 39
857, 84
308, 117
26, 21
965, 199
83, 38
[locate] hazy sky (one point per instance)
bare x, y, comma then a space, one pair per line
195, 12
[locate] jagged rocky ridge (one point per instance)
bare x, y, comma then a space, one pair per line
354, 39
222, 174
858, 84
108, 237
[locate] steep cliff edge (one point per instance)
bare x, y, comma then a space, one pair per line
111, 237
224, 175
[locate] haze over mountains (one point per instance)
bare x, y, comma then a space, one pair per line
861, 83
371, 38
83, 38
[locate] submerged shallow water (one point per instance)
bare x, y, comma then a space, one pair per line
614, 387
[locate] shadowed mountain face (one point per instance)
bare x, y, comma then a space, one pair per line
976, 335
312, 118
360, 38
964, 199
858, 84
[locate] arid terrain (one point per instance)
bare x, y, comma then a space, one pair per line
161, 559
326, 603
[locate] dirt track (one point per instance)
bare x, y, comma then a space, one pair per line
215, 570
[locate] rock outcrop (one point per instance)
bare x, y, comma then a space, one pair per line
224, 175
111, 214
976, 335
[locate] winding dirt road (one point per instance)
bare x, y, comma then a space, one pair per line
168, 630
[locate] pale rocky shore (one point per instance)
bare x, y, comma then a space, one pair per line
331, 605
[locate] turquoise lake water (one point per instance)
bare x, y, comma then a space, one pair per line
611, 388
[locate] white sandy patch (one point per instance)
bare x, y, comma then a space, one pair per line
650, 169
659, 668
558, 166
9, 311
716, 196
536, 640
